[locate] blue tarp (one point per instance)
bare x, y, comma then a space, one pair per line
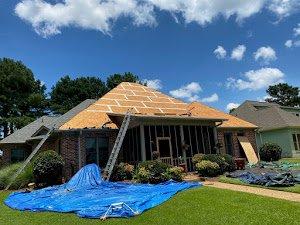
89, 196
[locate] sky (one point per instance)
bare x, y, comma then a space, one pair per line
217, 52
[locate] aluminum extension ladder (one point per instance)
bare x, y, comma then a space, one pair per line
117, 146
14, 177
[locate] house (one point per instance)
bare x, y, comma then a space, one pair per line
177, 130
277, 124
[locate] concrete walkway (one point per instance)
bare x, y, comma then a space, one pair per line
255, 190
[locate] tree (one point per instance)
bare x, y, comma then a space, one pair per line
284, 94
115, 79
22, 97
68, 93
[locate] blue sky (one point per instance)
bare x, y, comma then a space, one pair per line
172, 41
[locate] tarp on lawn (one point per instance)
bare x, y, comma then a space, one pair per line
89, 196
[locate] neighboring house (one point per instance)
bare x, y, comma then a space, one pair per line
277, 124
177, 130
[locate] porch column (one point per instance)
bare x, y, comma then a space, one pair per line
143, 147
182, 143
216, 139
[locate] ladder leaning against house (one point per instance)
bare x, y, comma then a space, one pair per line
36, 149
117, 146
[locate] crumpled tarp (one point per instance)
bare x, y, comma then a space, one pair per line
268, 179
89, 196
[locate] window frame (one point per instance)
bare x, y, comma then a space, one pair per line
296, 141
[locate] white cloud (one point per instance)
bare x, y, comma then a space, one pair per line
266, 54
231, 106
238, 52
220, 52
297, 30
155, 84
189, 92
50, 17
288, 43
263, 99
257, 79
213, 98
284, 8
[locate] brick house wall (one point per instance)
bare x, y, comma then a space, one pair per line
249, 133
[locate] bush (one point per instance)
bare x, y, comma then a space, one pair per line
123, 171
47, 168
231, 166
219, 159
152, 172
270, 152
175, 173
197, 158
22, 180
207, 168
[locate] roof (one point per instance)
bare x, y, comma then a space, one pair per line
268, 116
145, 102
49, 122
200, 109
22, 135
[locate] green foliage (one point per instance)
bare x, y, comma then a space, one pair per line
270, 152
68, 93
115, 79
47, 168
175, 173
22, 97
22, 180
284, 94
197, 158
225, 161
123, 171
207, 168
152, 172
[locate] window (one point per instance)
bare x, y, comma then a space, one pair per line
17, 155
296, 140
97, 151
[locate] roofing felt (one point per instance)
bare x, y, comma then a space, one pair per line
143, 101
272, 116
26, 133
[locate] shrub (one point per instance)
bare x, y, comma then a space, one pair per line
123, 171
207, 168
47, 168
270, 152
197, 158
21, 181
155, 155
152, 172
230, 167
217, 158
175, 173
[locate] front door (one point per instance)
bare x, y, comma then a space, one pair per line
164, 147
228, 143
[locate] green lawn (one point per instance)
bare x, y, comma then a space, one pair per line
205, 205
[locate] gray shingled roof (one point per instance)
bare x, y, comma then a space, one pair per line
24, 134
270, 116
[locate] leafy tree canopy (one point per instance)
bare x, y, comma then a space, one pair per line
115, 79
284, 94
22, 97
68, 93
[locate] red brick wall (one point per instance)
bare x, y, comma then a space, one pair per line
6, 158
250, 134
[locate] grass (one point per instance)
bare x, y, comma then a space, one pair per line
22, 180
205, 205
224, 179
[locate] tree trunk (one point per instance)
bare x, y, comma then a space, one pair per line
5, 129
